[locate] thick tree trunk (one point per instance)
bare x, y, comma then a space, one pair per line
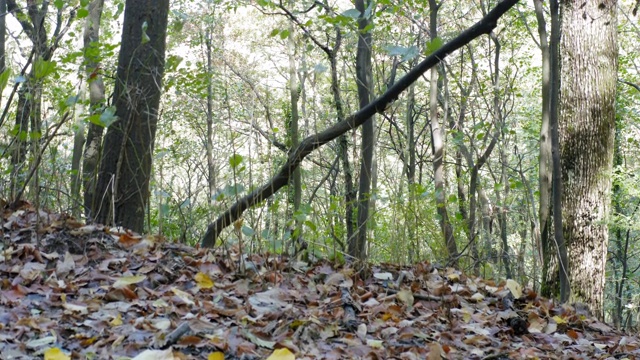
126, 159
588, 68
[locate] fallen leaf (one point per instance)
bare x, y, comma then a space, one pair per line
64, 267
128, 280
216, 356
406, 296
282, 354
204, 281
156, 355
515, 288
55, 354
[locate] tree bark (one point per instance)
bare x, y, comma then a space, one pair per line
588, 73
126, 159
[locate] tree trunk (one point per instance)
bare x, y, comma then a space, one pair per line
544, 162
96, 103
211, 166
3, 36
126, 160
437, 148
294, 97
588, 73
357, 245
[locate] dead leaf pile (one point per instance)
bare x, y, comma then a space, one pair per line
74, 291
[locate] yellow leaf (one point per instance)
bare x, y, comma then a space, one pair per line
128, 280
55, 354
559, 320
282, 354
216, 356
204, 281
515, 288
117, 321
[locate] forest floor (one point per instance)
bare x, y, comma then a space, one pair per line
75, 291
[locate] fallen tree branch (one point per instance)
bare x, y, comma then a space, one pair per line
309, 144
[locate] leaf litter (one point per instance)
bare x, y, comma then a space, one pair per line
75, 291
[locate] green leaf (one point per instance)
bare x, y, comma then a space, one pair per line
119, 11
58, 4
284, 34
235, 160
407, 53
82, 13
434, 45
72, 100
108, 116
352, 13
35, 135
274, 32
4, 79
247, 230
310, 225
43, 68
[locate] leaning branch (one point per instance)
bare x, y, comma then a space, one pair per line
308, 145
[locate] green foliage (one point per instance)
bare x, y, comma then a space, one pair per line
43, 68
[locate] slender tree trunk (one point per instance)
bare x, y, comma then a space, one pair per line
357, 246
437, 147
211, 166
295, 191
87, 174
410, 170
126, 160
586, 127
558, 246
544, 162
3, 36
